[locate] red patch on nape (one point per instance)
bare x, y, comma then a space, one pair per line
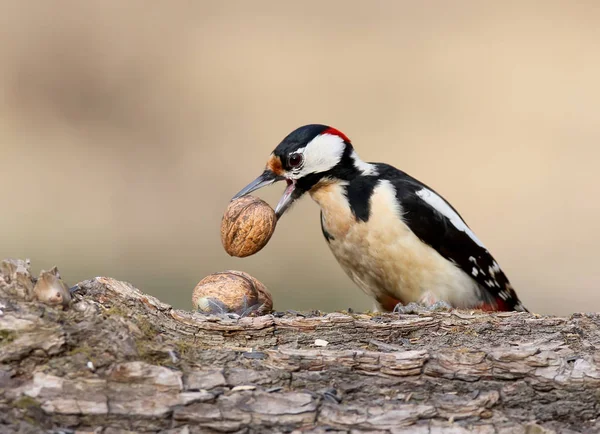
338, 133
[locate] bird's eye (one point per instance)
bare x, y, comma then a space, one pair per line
295, 160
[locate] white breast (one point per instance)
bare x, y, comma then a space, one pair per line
383, 256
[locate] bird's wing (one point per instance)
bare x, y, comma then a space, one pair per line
439, 225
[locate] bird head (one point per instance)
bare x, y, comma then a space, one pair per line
310, 156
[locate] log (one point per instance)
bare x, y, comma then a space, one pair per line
118, 360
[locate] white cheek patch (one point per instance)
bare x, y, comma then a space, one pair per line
440, 205
321, 154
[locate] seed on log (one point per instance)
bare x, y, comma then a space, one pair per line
247, 226
232, 292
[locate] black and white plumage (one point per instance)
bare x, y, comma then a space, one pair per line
396, 238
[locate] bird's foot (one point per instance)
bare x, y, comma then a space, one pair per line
410, 308
440, 306
417, 308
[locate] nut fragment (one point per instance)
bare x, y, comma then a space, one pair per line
232, 292
247, 226
51, 289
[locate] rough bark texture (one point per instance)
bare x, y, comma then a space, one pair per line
119, 360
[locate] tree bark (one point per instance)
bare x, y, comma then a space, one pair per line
119, 360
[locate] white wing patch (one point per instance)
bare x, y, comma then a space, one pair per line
440, 205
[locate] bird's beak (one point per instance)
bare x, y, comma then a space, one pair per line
268, 178
289, 196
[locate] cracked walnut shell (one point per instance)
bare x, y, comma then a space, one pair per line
232, 292
50, 289
247, 226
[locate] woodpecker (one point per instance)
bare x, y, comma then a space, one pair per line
397, 239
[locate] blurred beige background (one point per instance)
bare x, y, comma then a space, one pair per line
126, 126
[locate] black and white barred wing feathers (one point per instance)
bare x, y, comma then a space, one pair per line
435, 222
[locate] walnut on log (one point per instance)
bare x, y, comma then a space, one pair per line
232, 291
